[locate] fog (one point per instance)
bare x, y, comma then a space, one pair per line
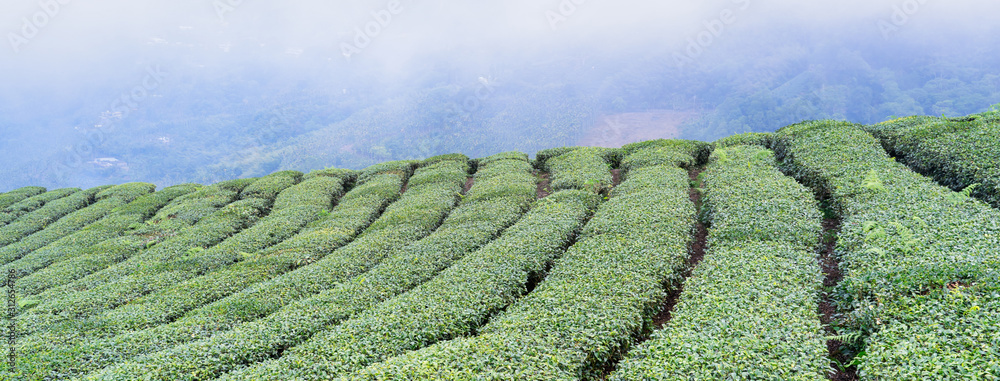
184, 90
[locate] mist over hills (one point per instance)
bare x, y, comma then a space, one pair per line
191, 91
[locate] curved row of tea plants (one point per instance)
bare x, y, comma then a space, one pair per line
300, 204
959, 153
38, 219
147, 273
665, 152
920, 260
749, 308
501, 193
598, 295
27, 205
456, 302
113, 225
171, 225
17, 195
354, 211
182, 212
432, 192
582, 168
103, 204
503, 190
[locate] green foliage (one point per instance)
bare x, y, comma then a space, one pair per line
30, 204
762, 139
903, 250
19, 194
873, 183
113, 225
160, 266
431, 194
582, 168
748, 309
290, 276
503, 190
957, 152
454, 303
510, 155
106, 200
222, 233
37, 220
236, 185
180, 213
165, 300
268, 187
355, 210
403, 168
347, 175
596, 297
674, 153
543, 156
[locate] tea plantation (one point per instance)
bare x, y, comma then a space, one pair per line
825, 250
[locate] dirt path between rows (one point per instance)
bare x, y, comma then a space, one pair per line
544, 189
832, 275
616, 177
468, 185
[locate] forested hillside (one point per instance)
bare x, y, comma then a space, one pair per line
219, 118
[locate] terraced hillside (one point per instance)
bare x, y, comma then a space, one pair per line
825, 250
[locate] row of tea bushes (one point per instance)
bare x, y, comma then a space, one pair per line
103, 204
431, 193
453, 304
909, 247
583, 168
14, 211
354, 211
503, 190
38, 219
85, 297
748, 310
500, 194
113, 225
668, 152
17, 195
598, 295
957, 152
301, 203
182, 212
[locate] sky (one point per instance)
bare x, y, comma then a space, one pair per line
60, 59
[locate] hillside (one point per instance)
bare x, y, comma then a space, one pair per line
824, 250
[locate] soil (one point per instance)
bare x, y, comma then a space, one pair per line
543, 190
468, 185
616, 177
828, 311
619, 129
